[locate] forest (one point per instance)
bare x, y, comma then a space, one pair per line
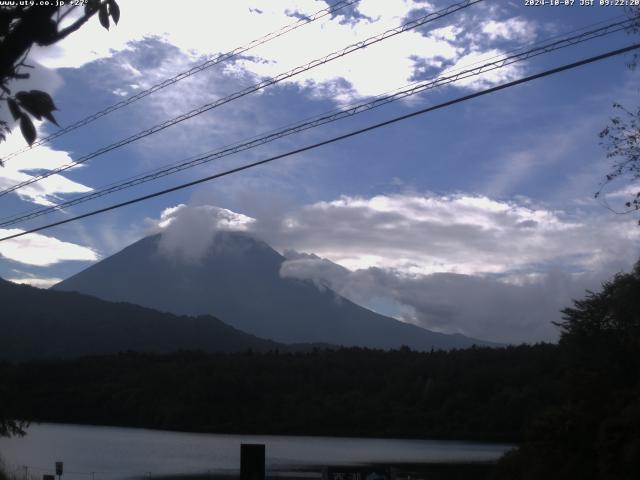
475, 394
573, 407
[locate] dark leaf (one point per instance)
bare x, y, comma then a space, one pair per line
27, 129
5, 21
51, 118
114, 11
103, 15
91, 6
14, 108
37, 103
45, 31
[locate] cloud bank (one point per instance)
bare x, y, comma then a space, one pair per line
188, 232
42, 251
481, 307
371, 71
491, 269
421, 234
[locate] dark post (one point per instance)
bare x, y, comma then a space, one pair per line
59, 469
252, 461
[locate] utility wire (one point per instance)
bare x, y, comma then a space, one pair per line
439, 106
332, 116
317, 121
192, 71
22, 216
265, 83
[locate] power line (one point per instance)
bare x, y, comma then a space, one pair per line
265, 83
192, 71
321, 120
449, 103
586, 29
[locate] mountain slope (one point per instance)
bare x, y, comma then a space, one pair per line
239, 281
39, 323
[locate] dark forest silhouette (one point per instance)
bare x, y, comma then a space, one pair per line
594, 431
478, 393
574, 407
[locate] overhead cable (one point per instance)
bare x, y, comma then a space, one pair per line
254, 88
192, 71
225, 173
322, 120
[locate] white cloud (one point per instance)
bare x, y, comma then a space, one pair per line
511, 29
393, 10
42, 251
617, 198
422, 234
189, 231
44, 157
35, 281
374, 70
224, 29
449, 33
217, 218
625, 192
480, 307
489, 78
491, 269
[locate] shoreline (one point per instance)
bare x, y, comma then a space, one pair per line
446, 470
512, 443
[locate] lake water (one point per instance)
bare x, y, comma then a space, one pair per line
110, 453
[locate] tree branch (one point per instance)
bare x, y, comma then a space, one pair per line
71, 8
74, 26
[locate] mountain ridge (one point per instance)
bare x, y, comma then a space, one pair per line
238, 280
37, 323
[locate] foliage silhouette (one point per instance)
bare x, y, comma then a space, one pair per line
621, 138
594, 433
478, 393
23, 25
574, 406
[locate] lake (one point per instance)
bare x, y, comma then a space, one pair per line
112, 453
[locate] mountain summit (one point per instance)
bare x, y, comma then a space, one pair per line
238, 280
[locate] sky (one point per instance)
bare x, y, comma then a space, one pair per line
478, 218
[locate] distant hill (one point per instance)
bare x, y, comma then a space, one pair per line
239, 281
37, 323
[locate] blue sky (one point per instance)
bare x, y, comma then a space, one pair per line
477, 219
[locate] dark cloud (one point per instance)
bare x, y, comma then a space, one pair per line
481, 307
489, 269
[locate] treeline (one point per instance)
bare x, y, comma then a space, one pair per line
574, 407
478, 393
594, 432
